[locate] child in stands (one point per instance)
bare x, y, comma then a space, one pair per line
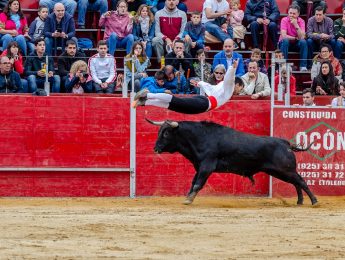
255, 56
201, 56
236, 18
36, 28
194, 34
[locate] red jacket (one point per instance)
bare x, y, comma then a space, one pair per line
8, 24
292, 84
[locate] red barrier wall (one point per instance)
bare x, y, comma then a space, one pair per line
93, 131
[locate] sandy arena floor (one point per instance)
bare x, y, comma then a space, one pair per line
163, 228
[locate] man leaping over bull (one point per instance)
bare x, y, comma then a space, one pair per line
217, 95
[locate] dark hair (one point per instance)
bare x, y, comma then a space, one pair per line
42, 7
38, 40
327, 46
143, 53
296, 7
278, 51
200, 51
71, 42
159, 75
195, 13
239, 81
8, 12
101, 42
341, 84
319, 8
179, 41
121, 1
329, 82
308, 90
9, 46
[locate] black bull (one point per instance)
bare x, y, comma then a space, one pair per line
214, 148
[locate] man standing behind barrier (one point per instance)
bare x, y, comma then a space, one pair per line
102, 67
227, 56
292, 34
259, 13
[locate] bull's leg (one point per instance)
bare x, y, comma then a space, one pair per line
305, 187
299, 194
205, 170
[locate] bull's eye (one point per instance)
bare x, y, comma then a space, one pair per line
166, 134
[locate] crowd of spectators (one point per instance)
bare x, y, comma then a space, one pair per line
163, 30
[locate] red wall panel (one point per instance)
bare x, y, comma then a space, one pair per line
89, 131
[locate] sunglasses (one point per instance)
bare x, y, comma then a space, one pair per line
219, 73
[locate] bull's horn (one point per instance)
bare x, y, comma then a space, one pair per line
155, 123
173, 124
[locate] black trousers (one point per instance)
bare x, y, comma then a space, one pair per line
189, 105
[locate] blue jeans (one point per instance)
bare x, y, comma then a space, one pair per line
83, 5
148, 49
217, 32
25, 85
300, 45
272, 33
70, 5
59, 42
20, 39
114, 42
38, 82
109, 90
338, 49
315, 45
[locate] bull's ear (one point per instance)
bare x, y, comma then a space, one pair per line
154, 122
173, 124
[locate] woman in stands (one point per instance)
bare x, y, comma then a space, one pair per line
78, 80
218, 75
144, 28
140, 65
13, 26
326, 83
217, 95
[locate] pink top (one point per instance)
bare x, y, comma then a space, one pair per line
236, 18
286, 25
8, 24
120, 24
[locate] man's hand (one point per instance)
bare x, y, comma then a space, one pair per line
13, 33
194, 82
255, 96
260, 20
187, 38
235, 63
180, 55
167, 91
193, 44
252, 76
294, 22
324, 36
168, 42
104, 85
266, 21
50, 74
41, 73
63, 35
56, 34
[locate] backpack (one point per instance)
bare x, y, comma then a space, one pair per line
85, 43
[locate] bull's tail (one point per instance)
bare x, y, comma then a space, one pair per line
299, 147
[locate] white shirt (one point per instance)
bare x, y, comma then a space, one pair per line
101, 68
215, 7
335, 102
223, 91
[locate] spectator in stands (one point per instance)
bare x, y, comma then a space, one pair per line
144, 28
255, 56
326, 54
70, 5
175, 81
140, 65
102, 67
207, 67
302, 4
278, 55
236, 18
340, 101
35, 68
326, 83
214, 13
13, 26
259, 13
284, 81
256, 83
180, 5
10, 81
194, 34
12, 52
319, 31
58, 28
118, 28
36, 28
67, 58
292, 36
308, 98
170, 23
180, 60
133, 5
339, 33
78, 81
91, 5
155, 84
217, 76
239, 86
226, 57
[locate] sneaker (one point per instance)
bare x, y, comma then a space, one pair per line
141, 94
303, 69
81, 26
242, 45
139, 102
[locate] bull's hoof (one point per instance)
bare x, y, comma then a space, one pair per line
314, 202
188, 201
300, 203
